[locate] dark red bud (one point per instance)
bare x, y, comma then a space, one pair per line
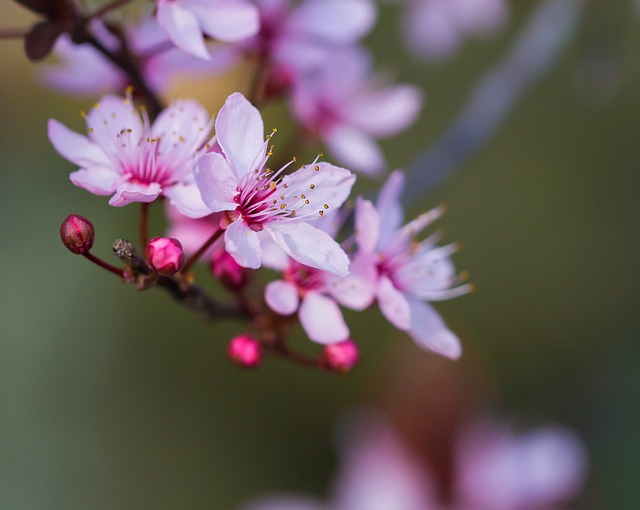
77, 234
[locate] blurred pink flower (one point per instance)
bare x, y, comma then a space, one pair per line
233, 178
125, 156
434, 29
81, 69
192, 232
494, 470
409, 273
343, 106
187, 21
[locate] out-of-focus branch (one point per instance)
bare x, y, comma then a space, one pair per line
535, 51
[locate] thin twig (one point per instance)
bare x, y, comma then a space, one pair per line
535, 51
104, 265
13, 33
196, 256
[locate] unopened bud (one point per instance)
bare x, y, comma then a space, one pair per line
341, 356
225, 268
77, 234
245, 351
165, 255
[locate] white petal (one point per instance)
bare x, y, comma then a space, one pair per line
273, 256
76, 148
217, 182
393, 304
128, 192
355, 150
429, 330
227, 20
240, 132
282, 297
335, 21
389, 205
97, 180
326, 187
182, 27
322, 319
309, 246
367, 225
112, 122
243, 244
386, 112
187, 199
357, 290
182, 127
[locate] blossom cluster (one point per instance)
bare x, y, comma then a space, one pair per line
229, 199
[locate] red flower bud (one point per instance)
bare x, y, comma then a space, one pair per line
77, 234
165, 255
245, 351
341, 356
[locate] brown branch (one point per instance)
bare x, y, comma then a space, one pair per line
13, 33
189, 295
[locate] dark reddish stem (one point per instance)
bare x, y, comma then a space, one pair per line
104, 265
196, 256
144, 224
300, 359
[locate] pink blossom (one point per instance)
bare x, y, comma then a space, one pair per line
262, 202
501, 470
408, 273
434, 29
193, 232
81, 69
341, 356
494, 469
125, 156
188, 21
225, 268
343, 107
245, 351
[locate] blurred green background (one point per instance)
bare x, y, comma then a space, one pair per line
114, 399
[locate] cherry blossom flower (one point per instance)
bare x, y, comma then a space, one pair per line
343, 107
234, 178
81, 69
187, 21
127, 157
409, 273
494, 469
434, 29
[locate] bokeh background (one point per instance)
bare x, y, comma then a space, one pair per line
117, 399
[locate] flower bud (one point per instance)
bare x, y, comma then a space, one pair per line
341, 356
77, 234
227, 270
165, 255
245, 351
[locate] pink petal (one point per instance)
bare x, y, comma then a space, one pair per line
182, 128
322, 319
240, 133
335, 21
309, 246
97, 180
128, 192
109, 120
226, 20
357, 290
428, 330
355, 150
389, 206
393, 304
323, 184
282, 297
76, 148
217, 182
186, 198
182, 27
243, 244
386, 112
429, 30
367, 225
